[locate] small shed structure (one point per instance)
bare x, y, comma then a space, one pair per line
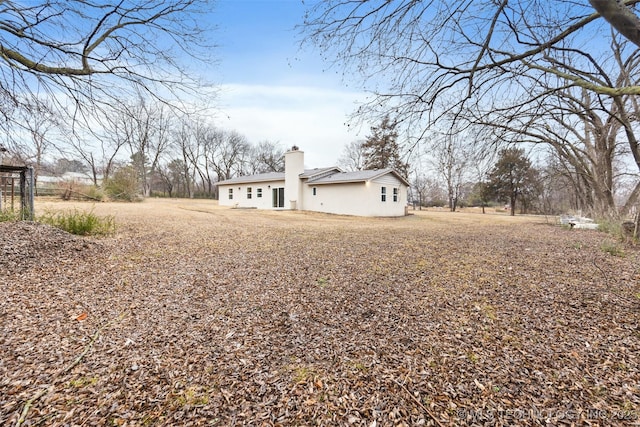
16, 190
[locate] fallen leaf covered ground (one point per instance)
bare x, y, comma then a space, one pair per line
195, 314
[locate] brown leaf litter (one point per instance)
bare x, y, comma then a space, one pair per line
200, 315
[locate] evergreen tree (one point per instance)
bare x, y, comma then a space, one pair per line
512, 176
381, 149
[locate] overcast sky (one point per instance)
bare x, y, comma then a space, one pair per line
271, 89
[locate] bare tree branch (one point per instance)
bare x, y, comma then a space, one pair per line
620, 16
83, 54
512, 67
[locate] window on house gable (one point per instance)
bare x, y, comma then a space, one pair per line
383, 194
231, 194
395, 194
248, 192
258, 193
314, 191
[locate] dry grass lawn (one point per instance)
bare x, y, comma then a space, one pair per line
194, 314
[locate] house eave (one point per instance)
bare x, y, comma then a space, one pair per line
253, 180
369, 176
346, 181
313, 173
394, 173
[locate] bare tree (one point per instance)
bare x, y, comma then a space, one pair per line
227, 152
200, 155
452, 160
589, 132
30, 139
482, 158
420, 186
267, 156
193, 142
214, 154
174, 181
147, 128
100, 143
352, 157
185, 143
436, 48
471, 59
89, 51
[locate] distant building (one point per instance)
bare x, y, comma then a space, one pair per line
77, 178
363, 193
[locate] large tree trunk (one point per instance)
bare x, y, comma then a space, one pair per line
632, 200
620, 16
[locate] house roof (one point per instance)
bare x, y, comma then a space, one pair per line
276, 176
357, 176
262, 177
311, 173
319, 176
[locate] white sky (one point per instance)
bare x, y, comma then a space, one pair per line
271, 89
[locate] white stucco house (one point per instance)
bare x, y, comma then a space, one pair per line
363, 193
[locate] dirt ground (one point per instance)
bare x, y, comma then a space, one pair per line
194, 314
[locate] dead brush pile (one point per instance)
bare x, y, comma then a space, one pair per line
220, 317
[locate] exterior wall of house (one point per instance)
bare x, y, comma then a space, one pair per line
385, 195
362, 198
396, 193
240, 194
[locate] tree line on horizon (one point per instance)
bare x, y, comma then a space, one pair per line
147, 151
445, 174
144, 150
461, 82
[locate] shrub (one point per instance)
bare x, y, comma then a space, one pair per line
612, 249
619, 229
93, 192
123, 185
75, 191
80, 223
8, 215
610, 227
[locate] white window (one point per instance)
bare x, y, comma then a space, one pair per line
248, 192
395, 194
259, 193
231, 194
383, 194
314, 191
